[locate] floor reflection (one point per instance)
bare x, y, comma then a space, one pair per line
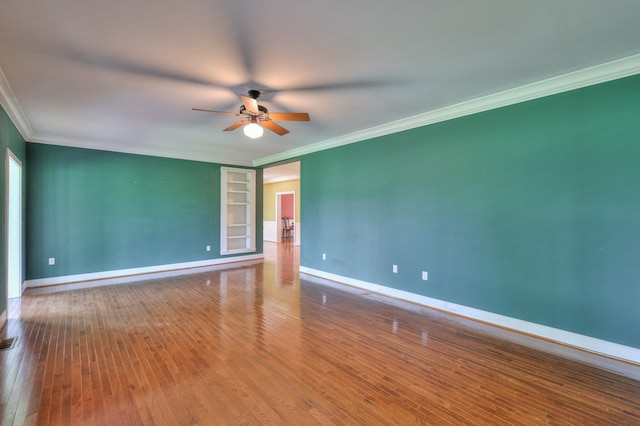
277, 302
252, 343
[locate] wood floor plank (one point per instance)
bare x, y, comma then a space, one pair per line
258, 345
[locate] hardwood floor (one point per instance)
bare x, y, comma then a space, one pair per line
256, 345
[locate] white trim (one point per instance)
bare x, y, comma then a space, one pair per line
12, 107
279, 223
124, 148
270, 231
574, 80
249, 218
598, 346
10, 156
19, 119
597, 74
284, 178
137, 271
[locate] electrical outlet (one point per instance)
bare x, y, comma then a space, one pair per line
52, 261
324, 256
208, 248
395, 269
425, 275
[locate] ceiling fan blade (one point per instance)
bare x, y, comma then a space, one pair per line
274, 127
236, 125
338, 85
289, 116
217, 112
250, 104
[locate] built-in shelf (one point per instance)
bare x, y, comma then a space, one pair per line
237, 214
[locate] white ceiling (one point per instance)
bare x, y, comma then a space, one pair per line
281, 172
123, 75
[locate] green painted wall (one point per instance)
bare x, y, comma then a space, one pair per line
9, 138
99, 211
530, 211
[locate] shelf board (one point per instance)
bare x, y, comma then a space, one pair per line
235, 251
238, 196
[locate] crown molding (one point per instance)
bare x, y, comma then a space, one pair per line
279, 179
12, 107
571, 81
130, 149
10, 104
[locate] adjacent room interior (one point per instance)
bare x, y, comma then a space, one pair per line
320, 213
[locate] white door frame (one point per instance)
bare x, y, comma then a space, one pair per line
279, 214
13, 226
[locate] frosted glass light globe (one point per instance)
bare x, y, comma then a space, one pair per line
253, 130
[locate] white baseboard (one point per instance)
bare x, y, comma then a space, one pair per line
270, 232
40, 282
574, 340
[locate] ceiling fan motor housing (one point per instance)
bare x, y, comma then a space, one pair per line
262, 109
254, 94
255, 115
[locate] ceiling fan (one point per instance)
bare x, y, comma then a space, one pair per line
256, 116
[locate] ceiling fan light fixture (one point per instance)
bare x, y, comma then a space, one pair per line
256, 117
253, 130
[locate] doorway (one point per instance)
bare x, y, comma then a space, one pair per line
286, 216
282, 199
13, 225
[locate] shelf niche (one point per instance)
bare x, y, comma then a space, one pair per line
237, 211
